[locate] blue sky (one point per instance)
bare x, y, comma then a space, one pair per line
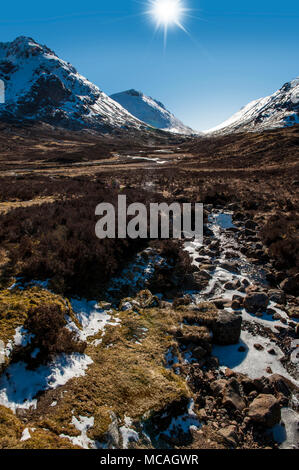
236, 51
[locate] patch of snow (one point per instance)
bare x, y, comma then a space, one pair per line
25, 435
252, 362
184, 423
19, 386
82, 424
21, 337
171, 358
128, 434
287, 432
135, 277
91, 316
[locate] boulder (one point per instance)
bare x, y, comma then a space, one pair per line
277, 296
231, 266
232, 285
281, 385
293, 312
265, 410
256, 302
230, 435
290, 285
233, 400
229, 391
227, 328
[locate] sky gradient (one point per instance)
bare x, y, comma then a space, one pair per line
235, 52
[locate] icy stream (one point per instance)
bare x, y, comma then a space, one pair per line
244, 357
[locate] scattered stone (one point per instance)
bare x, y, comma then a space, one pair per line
277, 296
256, 302
258, 347
236, 305
199, 353
293, 312
281, 385
232, 398
272, 352
222, 303
232, 285
265, 410
230, 435
231, 266
245, 282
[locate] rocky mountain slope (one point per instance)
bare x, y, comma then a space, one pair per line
278, 110
39, 86
150, 111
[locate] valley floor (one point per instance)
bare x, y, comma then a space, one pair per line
158, 344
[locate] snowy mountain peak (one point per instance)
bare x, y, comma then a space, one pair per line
40, 86
275, 111
151, 111
23, 47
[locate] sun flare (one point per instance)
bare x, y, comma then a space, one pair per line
167, 13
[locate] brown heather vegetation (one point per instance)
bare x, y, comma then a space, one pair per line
48, 325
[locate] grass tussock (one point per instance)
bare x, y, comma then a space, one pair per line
16, 305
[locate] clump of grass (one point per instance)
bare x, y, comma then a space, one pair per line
16, 304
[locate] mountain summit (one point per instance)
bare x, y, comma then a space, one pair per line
40, 86
151, 111
278, 110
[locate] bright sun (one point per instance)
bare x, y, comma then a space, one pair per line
167, 13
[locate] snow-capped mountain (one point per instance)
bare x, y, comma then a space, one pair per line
278, 110
40, 86
150, 111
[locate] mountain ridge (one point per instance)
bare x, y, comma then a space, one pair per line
40, 86
151, 111
281, 109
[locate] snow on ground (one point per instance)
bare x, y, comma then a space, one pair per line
25, 435
82, 424
91, 316
19, 386
251, 361
184, 423
287, 432
135, 276
155, 160
22, 337
128, 434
